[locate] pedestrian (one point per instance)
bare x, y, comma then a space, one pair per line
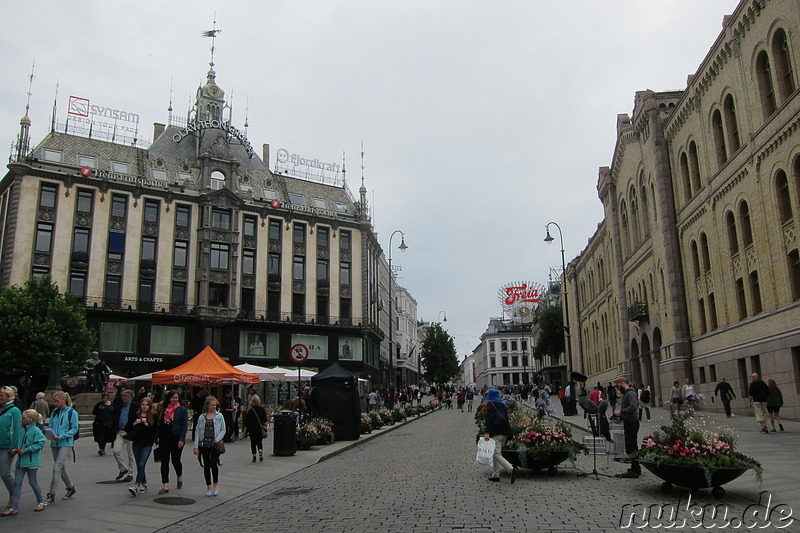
758, 393
63, 428
10, 437
499, 429
688, 392
254, 420
630, 424
726, 394
103, 425
596, 396
676, 397
644, 401
470, 399
299, 406
611, 392
774, 404
461, 398
41, 406
228, 410
237, 409
29, 461
197, 402
142, 433
124, 414
372, 400
173, 425
210, 429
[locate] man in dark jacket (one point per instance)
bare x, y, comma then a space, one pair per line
726, 394
628, 411
759, 394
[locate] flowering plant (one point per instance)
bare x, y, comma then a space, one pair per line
366, 425
307, 435
399, 414
375, 419
543, 438
324, 429
686, 443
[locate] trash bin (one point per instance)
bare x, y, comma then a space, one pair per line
284, 435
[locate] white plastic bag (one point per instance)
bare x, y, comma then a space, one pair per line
485, 451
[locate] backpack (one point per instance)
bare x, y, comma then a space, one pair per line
77, 433
645, 396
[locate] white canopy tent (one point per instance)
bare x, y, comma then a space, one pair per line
290, 374
264, 373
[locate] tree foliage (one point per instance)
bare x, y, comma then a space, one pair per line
438, 355
551, 333
37, 321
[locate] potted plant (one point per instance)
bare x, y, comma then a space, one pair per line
685, 453
324, 430
375, 419
366, 425
307, 436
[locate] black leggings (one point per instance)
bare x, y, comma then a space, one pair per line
210, 464
169, 451
256, 441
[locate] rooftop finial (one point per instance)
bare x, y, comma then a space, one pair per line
30, 87
170, 101
246, 111
362, 162
213, 34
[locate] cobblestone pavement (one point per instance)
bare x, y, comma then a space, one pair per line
422, 477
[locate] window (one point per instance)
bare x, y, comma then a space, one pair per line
77, 284
694, 166
247, 303
145, 295
299, 268
298, 307
733, 239
248, 261
344, 274
217, 180
741, 303
342, 208
322, 270
84, 202
319, 203
794, 273
344, 240
119, 206
274, 265
182, 215
119, 168
219, 255
504, 361
112, 290
184, 177
44, 237
258, 344
249, 226
504, 347
47, 196
52, 155
524, 344
765, 86
704, 253
784, 200
269, 194
220, 219
345, 310
719, 137
322, 237
273, 305
167, 340
178, 296
491, 346
181, 254
514, 360
217, 294
492, 362
116, 244
712, 312
297, 199
117, 337
151, 211
780, 50
702, 316
148, 249
299, 233
80, 241
159, 175
274, 230
38, 272
514, 346
755, 292
87, 161
744, 220
683, 164
731, 123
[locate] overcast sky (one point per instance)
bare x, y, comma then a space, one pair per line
481, 121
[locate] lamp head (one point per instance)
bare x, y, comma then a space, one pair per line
402, 246
549, 238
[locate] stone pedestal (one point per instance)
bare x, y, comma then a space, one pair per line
85, 402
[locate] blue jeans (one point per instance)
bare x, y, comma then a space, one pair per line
32, 481
142, 453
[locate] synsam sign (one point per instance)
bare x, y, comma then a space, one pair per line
82, 107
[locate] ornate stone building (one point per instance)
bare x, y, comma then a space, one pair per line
193, 240
695, 270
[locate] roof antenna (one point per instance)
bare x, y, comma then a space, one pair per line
170, 100
213, 34
55, 108
246, 112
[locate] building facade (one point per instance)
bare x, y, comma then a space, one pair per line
407, 341
695, 270
192, 240
504, 355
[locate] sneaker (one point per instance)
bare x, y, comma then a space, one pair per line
208, 493
780, 426
513, 475
180, 483
133, 490
128, 478
764, 430
70, 493
495, 479
215, 492
40, 507
122, 475
142, 489
51, 498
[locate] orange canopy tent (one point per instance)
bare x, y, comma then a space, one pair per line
206, 367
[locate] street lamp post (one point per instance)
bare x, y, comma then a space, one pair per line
549, 239
440, 314
402, 248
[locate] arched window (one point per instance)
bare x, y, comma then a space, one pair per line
704, 253
785, 75
765, 86
645, 213
733, 238
683, 163
784, 199
755, 292
719, 137
794, 273
694, 166
701, 311
635, 225
623, 215
712, 312
695, 260
744, 221
731, 124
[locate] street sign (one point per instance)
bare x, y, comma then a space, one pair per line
299, 354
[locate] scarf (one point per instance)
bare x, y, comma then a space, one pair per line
169, 412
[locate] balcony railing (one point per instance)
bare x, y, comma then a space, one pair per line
637, 312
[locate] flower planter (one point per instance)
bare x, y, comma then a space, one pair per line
548, 461
693, 477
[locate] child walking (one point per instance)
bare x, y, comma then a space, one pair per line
28, 461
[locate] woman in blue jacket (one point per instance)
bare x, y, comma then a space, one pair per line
10, 436
64, 427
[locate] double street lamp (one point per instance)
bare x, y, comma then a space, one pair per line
439, 315
402, 248
549, 239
